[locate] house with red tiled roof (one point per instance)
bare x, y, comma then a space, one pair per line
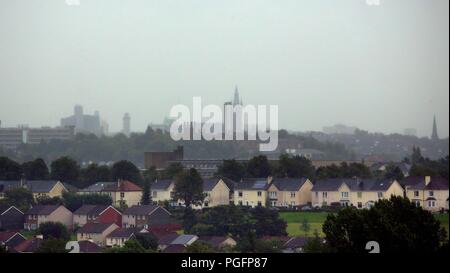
122, 192
96, 214
10, 239
28, 246
148, 216
429, 192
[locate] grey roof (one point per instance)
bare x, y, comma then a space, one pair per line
90, 209
418, 183
161, 184
140, 210
70, 188
355, 184
42, 209
8, 185
209, 184
89, 247
97, 187
184, 239
252, 184
94, 227
124, 232
38, 186
289, 184
296, 242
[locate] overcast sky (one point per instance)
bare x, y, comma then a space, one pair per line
381, 68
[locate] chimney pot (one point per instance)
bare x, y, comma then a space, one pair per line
427, 180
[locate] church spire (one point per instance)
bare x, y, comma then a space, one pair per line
434, 135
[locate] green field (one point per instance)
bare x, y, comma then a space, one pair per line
316, 219
294, 220
443, 218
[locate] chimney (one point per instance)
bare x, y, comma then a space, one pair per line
427, 180
119, 181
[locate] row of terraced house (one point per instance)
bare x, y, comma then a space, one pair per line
428, 192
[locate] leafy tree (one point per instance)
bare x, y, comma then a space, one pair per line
9, 169
394, 172
259, 166
268, 222
315, 245
231, 169
130, 246
52, 245
65, 169
294, 167
127, 171
146, 198
36, 170
147, 240
189, 219
199, 247
189, 188
54, 230
305, 226
250, 244
73, 201
203, 230
396, 224
94, 173
21, 198
173, 170
45, 200
416, 156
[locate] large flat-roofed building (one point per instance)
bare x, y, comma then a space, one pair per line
13, 137
82, 123
161, 160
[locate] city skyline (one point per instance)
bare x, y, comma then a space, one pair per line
380, 68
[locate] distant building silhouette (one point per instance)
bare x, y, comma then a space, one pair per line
126, 124
434, 134
88, 124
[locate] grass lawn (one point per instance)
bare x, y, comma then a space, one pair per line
443, 218
316, 219
294, 220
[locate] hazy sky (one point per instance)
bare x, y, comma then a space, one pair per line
381, 68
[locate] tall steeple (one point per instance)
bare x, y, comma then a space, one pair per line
236, 100
434, 135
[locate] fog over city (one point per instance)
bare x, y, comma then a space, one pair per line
381, 68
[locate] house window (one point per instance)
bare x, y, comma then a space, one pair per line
259, 194
273, 203
380, 194
273, 194
240, 194
240, 203
122, 195
417, 203
431, 193
292, 203
292, 194
416, 193
206, 204
359, 195
431, 203
324, 194
259, 204
344, 195
359, 205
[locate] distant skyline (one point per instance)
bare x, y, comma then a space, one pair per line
380, 68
